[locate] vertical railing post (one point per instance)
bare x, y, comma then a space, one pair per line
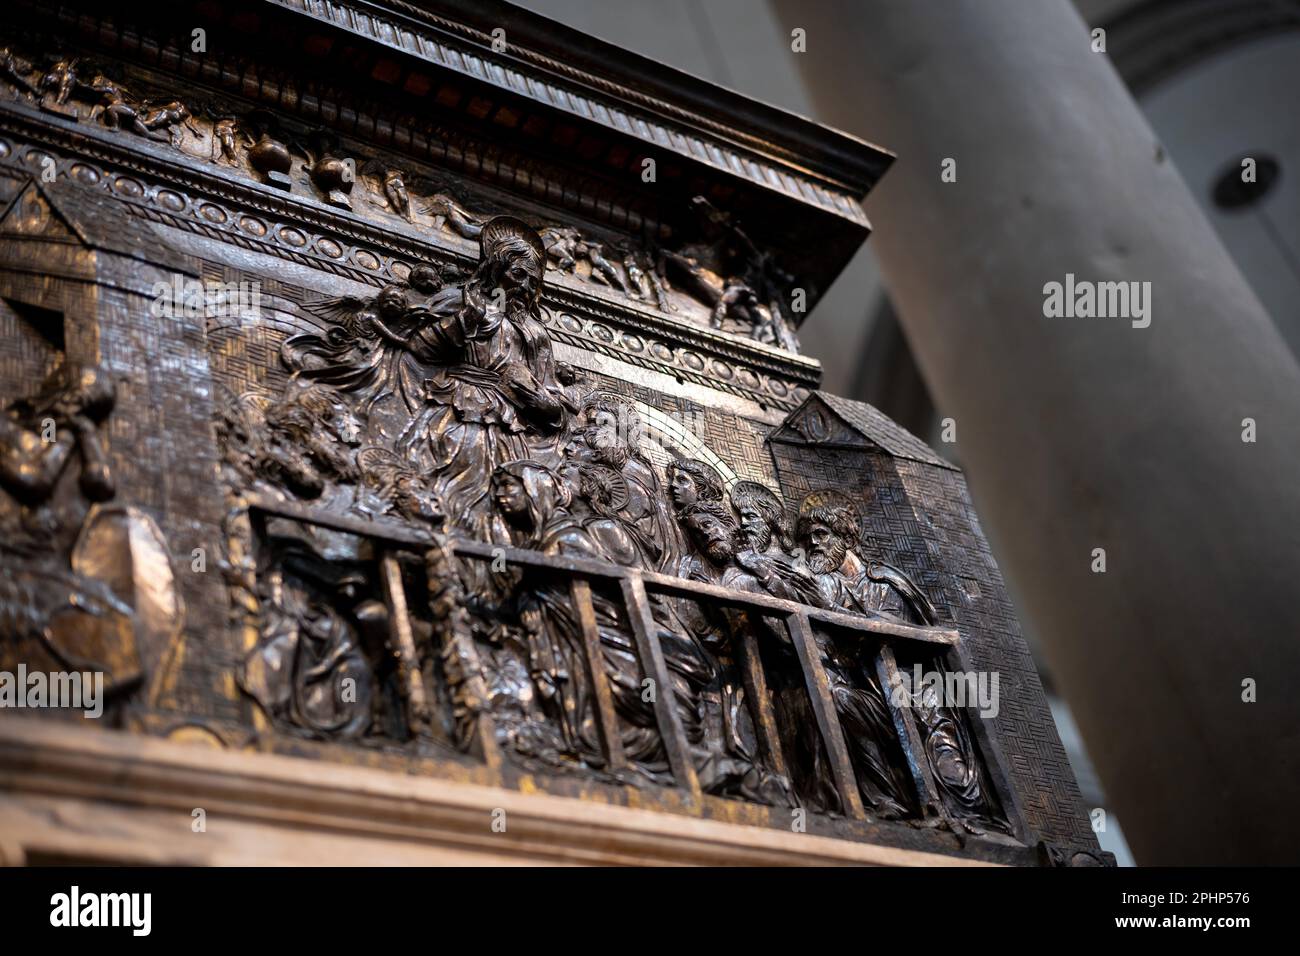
828, 721
653, 664
891, 682
611, 738
751, 669
419, 698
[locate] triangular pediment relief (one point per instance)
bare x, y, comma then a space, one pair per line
30, 215
816, 423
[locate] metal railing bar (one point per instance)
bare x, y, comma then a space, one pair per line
392, 531
891, 683
418, 699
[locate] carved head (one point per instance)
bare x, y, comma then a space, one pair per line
828, 529
417, 501
314, 414
712, 529
425, 279
691, 481
391, 301
409, 493
612, 429
527, 494
513, 259
603, 488
762, 516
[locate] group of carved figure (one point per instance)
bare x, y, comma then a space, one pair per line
443, 406
741, 286
63, 79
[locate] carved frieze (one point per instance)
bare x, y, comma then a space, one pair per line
440, 407
718, 277
496, 484
248, 220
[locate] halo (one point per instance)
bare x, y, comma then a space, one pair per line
616, 493
502, 227
829, 498
757, 490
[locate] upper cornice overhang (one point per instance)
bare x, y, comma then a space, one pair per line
600, 83
556, 116
815, 176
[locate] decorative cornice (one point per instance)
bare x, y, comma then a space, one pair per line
155, 183
833, 170
522, 122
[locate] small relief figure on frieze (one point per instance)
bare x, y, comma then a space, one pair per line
160, 119
57, 84
226, 132
404, 193
739, 283
566, 247
448, 213
390, 183
16, 72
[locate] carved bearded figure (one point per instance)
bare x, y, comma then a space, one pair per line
829, 527
454, 380
711, 530
765, 546
493, 376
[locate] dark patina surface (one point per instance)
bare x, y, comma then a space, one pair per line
378, 392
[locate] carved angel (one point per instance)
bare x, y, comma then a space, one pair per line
446, 211
363, 349
394, 187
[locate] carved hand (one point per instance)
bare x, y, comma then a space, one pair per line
520, 383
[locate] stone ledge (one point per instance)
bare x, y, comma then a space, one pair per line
72, 794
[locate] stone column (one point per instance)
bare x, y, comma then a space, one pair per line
1087, 433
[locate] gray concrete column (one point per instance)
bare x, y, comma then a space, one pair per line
1085, 433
